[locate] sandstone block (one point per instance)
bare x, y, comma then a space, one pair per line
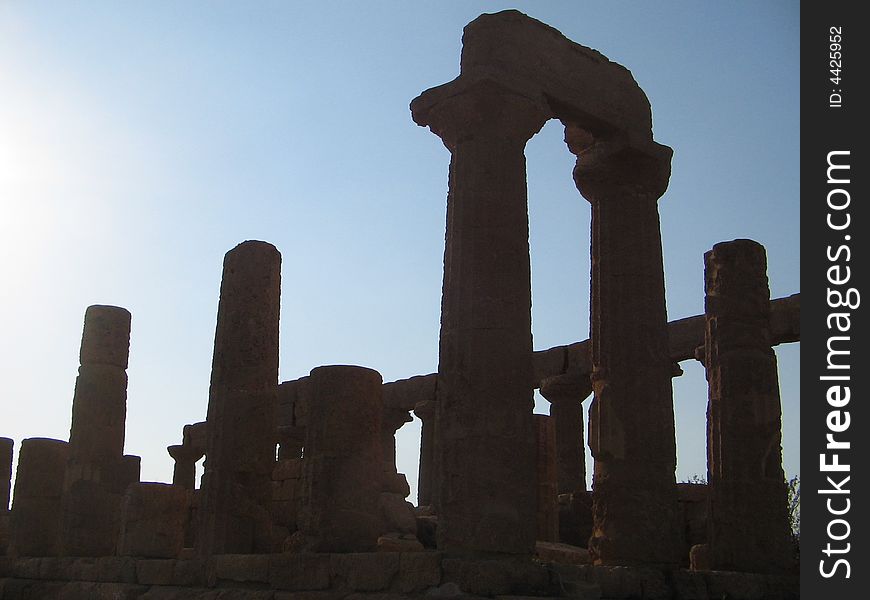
364, 572
106, 336
34, 525
153, 518
242, 567
418, 571
299, 572
562, 553
398, 515
395, 543
155, 571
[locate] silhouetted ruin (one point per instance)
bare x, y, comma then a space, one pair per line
301, 497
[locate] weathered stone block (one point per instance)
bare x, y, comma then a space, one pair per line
106, 336
746, 586
395, 542
496, 577
288, 468
116, 568
155, 571
689, 586
191, 572
299, 572
34, 524
562, 553
242, 567
617, 582
153, 518
364, 572
418, 571
398, 514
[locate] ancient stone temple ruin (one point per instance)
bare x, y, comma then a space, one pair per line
300, 493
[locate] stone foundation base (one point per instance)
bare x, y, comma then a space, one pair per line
380, 576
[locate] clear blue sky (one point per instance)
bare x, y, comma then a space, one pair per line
140, 141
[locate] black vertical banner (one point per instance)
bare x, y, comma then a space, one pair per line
835, 225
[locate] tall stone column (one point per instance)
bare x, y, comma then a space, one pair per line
566, 397
546, 478
426, 494
484, 410
34, 528
242, 404
97, 471
343, 463
6, 445
632, 415
748, 523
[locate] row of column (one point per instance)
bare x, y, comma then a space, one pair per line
483, 440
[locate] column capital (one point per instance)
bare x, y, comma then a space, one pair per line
394, 418
464, 110
573, 386
425, 410
611, 166
182, 453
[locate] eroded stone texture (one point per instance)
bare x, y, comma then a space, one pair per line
6, 446
153, 519
566, 394
242, 428
632, 415
35, 521
100, 402
97, 472
343, 464
485, 456
546, 478
748, 496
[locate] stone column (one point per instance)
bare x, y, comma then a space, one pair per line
6, 445
242, 428
343, 464
748, 524
34, 527
566, 395
99, 410
485, 461
426, 495
546, 477
632, 415
184, 472
97, 471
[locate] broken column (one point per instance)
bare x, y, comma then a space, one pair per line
485, 449
632, 415
566, 393
242, 429
98, 472
748, 520
546, 477
343, 464
34, 526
